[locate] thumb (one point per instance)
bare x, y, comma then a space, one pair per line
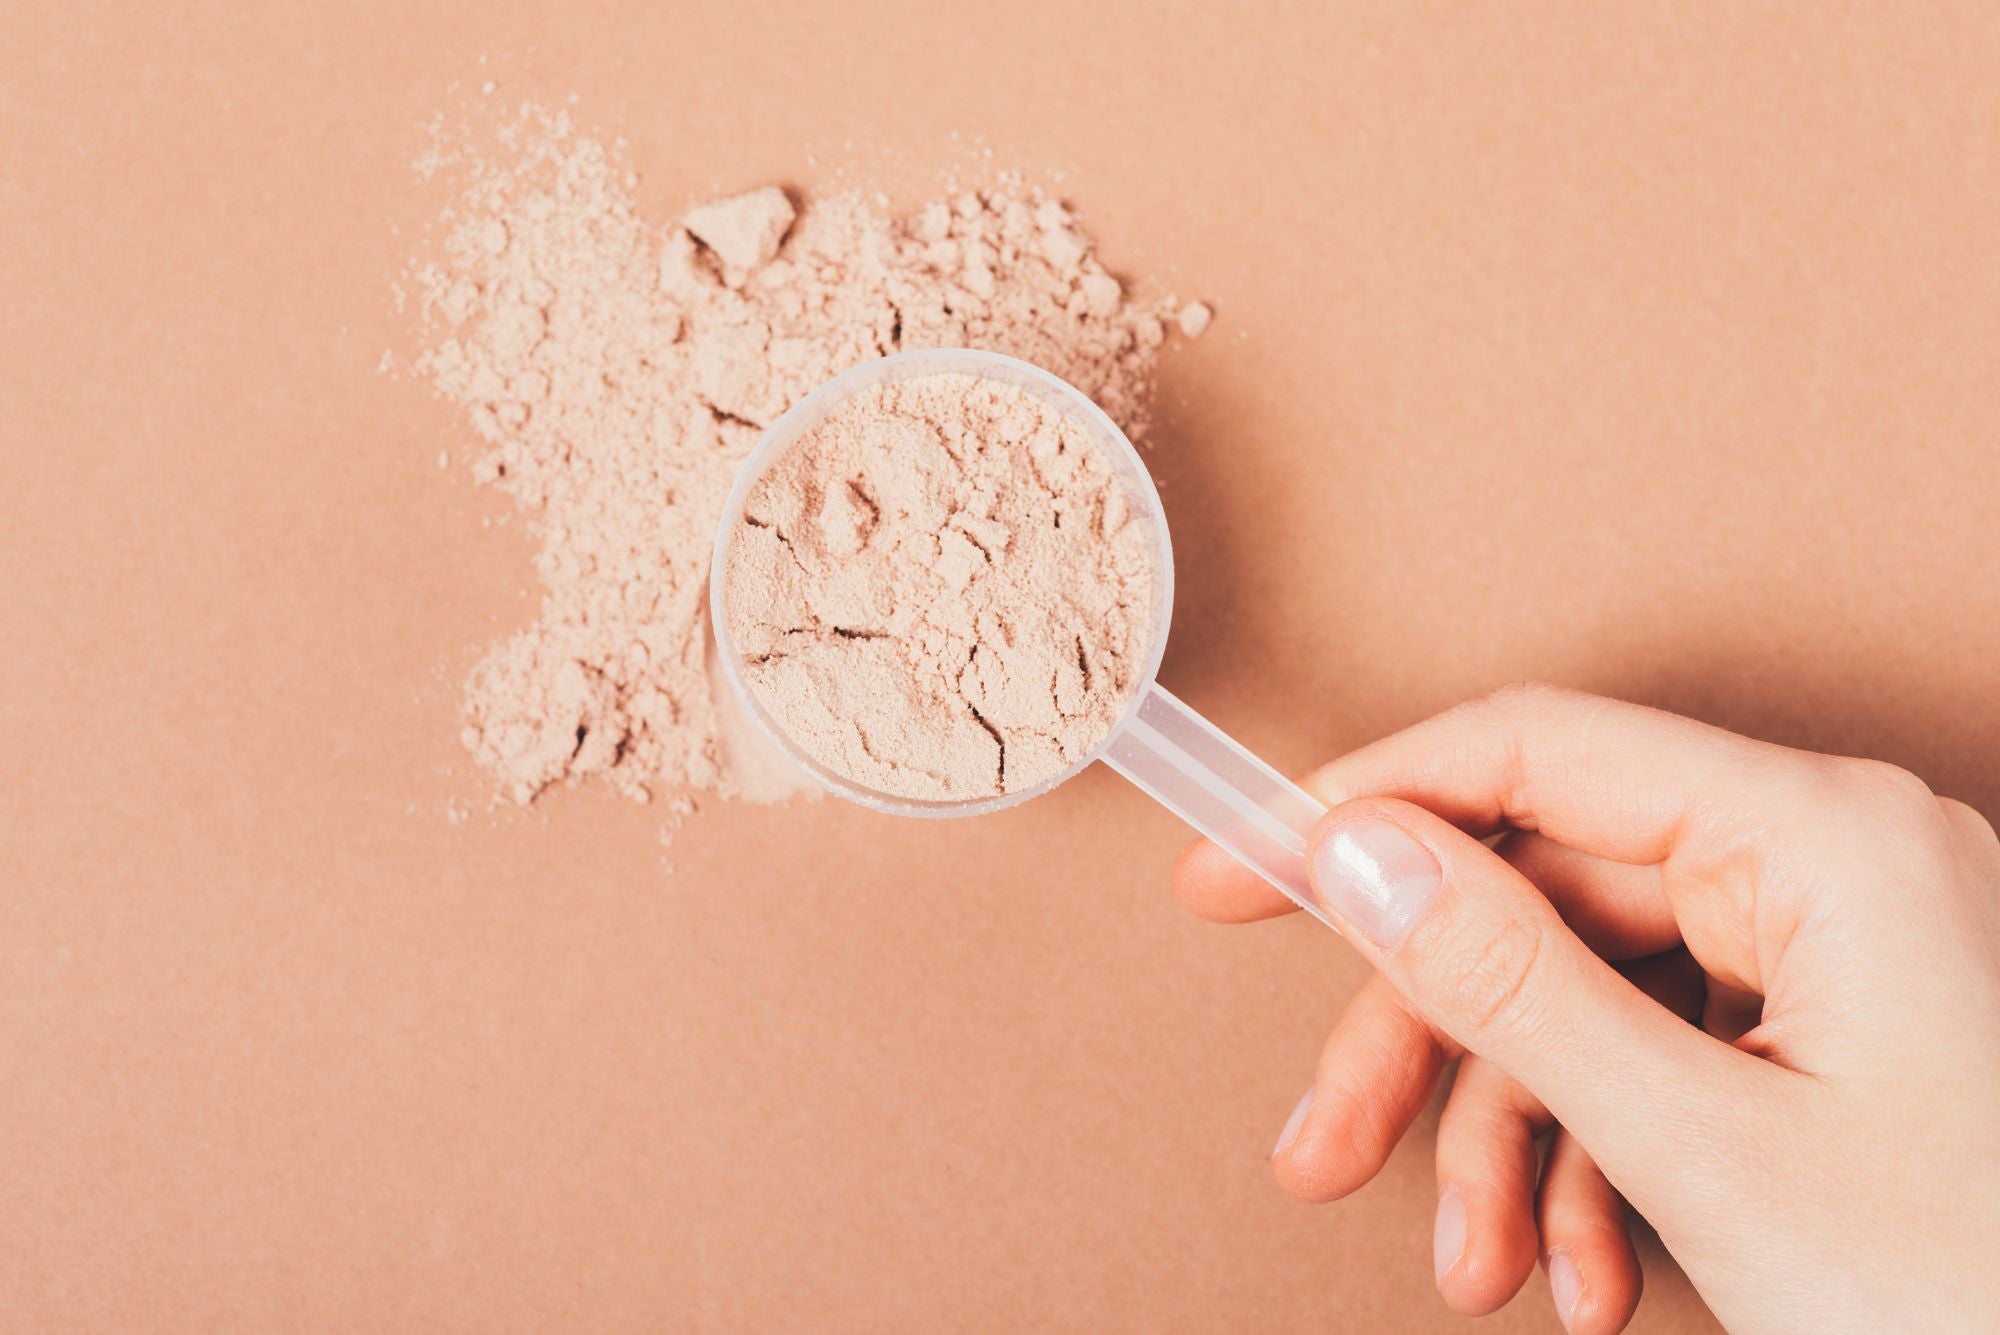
1482, 954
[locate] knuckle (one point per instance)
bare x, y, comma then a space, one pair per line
1855, 800
1487, 978
1876, 826
1969, 819
1889, 785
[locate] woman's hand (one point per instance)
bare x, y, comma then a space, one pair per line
1820, 1150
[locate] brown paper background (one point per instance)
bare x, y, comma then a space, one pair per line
1649, 348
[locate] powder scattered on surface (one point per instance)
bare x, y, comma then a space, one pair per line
1194, 319
939, 591
616, 370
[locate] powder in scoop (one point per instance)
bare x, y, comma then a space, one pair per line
939, 591
616, 369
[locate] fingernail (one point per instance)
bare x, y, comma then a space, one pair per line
1292, 1125
1566, 1283
1448, 1234
1377, 878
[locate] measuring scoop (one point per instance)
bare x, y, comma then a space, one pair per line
1185, 762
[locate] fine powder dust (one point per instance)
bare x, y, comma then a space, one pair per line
616, 370
939, 591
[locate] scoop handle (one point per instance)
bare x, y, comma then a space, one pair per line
1196, 771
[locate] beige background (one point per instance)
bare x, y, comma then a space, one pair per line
1652, 348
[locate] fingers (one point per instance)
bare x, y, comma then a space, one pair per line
1618, 909
1492, 1218
1492, 1221
1594, 1274
1375, 1075
1614, 779
1484, 1242
1214, 885
1618, 782
1481, 954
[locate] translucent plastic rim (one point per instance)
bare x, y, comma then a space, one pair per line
1142, 499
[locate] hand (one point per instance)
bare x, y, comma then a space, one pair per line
1820, 1151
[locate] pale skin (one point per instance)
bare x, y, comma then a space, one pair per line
1753, 991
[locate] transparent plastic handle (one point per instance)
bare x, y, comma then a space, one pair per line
1194, 770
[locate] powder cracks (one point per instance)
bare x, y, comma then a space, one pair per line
913, 610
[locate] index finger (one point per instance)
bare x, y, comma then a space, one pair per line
1619, 781
1602, 776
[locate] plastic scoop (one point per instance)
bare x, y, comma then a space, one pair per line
1185, 762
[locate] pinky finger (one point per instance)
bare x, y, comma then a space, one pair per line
1593, 1271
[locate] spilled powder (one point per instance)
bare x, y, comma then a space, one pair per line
615, 369
939, 591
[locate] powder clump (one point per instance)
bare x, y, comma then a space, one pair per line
617, 370
743, 231
939, 592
